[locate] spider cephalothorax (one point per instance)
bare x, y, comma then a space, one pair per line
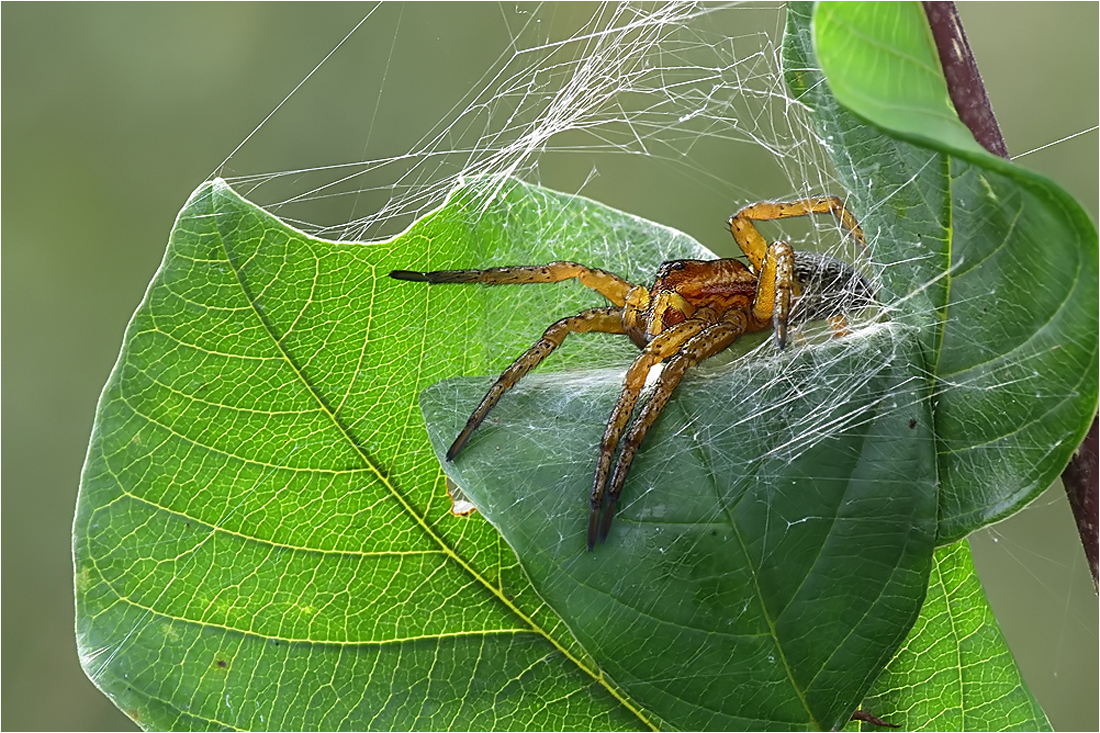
695, 309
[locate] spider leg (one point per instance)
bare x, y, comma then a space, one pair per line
659, 348
774, 288
709, 342
607, 284
755, 246
604, 320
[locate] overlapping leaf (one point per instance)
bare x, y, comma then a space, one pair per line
998, 265
775, 544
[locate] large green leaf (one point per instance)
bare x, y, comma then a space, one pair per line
258, 493
262, 537
995, 264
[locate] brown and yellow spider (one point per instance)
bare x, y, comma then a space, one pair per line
694, 310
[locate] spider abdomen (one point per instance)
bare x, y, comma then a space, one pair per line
830, 287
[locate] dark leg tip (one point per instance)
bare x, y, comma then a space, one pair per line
593, 527
460, 442
605, 524
456, 447
409, 275
781, 338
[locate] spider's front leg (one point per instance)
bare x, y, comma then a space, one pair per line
605, 320
607, 284
673, 342
659, 348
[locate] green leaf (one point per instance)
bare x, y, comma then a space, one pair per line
881, 61
955, 671
775, 543
262, 537
997, 267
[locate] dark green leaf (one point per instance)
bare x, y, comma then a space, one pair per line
996, 265
775, 543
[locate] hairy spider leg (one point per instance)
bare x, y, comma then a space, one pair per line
605, 320
753, 244
712, 340
774, 264
662, 346
774, 289
607, 284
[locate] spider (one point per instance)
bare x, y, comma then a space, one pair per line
694, 310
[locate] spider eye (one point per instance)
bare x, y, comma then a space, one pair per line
669, 267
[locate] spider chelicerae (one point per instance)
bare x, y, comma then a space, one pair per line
695, 309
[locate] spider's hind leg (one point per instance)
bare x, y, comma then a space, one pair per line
753, 244
774, 264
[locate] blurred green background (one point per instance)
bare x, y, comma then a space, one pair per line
113, 114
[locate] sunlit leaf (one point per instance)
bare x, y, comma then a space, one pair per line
955, 671
263, 538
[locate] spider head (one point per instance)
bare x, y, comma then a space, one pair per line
667, 304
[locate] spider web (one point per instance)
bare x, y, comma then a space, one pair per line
579, 103
599, 104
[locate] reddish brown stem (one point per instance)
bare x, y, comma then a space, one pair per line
964, 83
1080, 479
